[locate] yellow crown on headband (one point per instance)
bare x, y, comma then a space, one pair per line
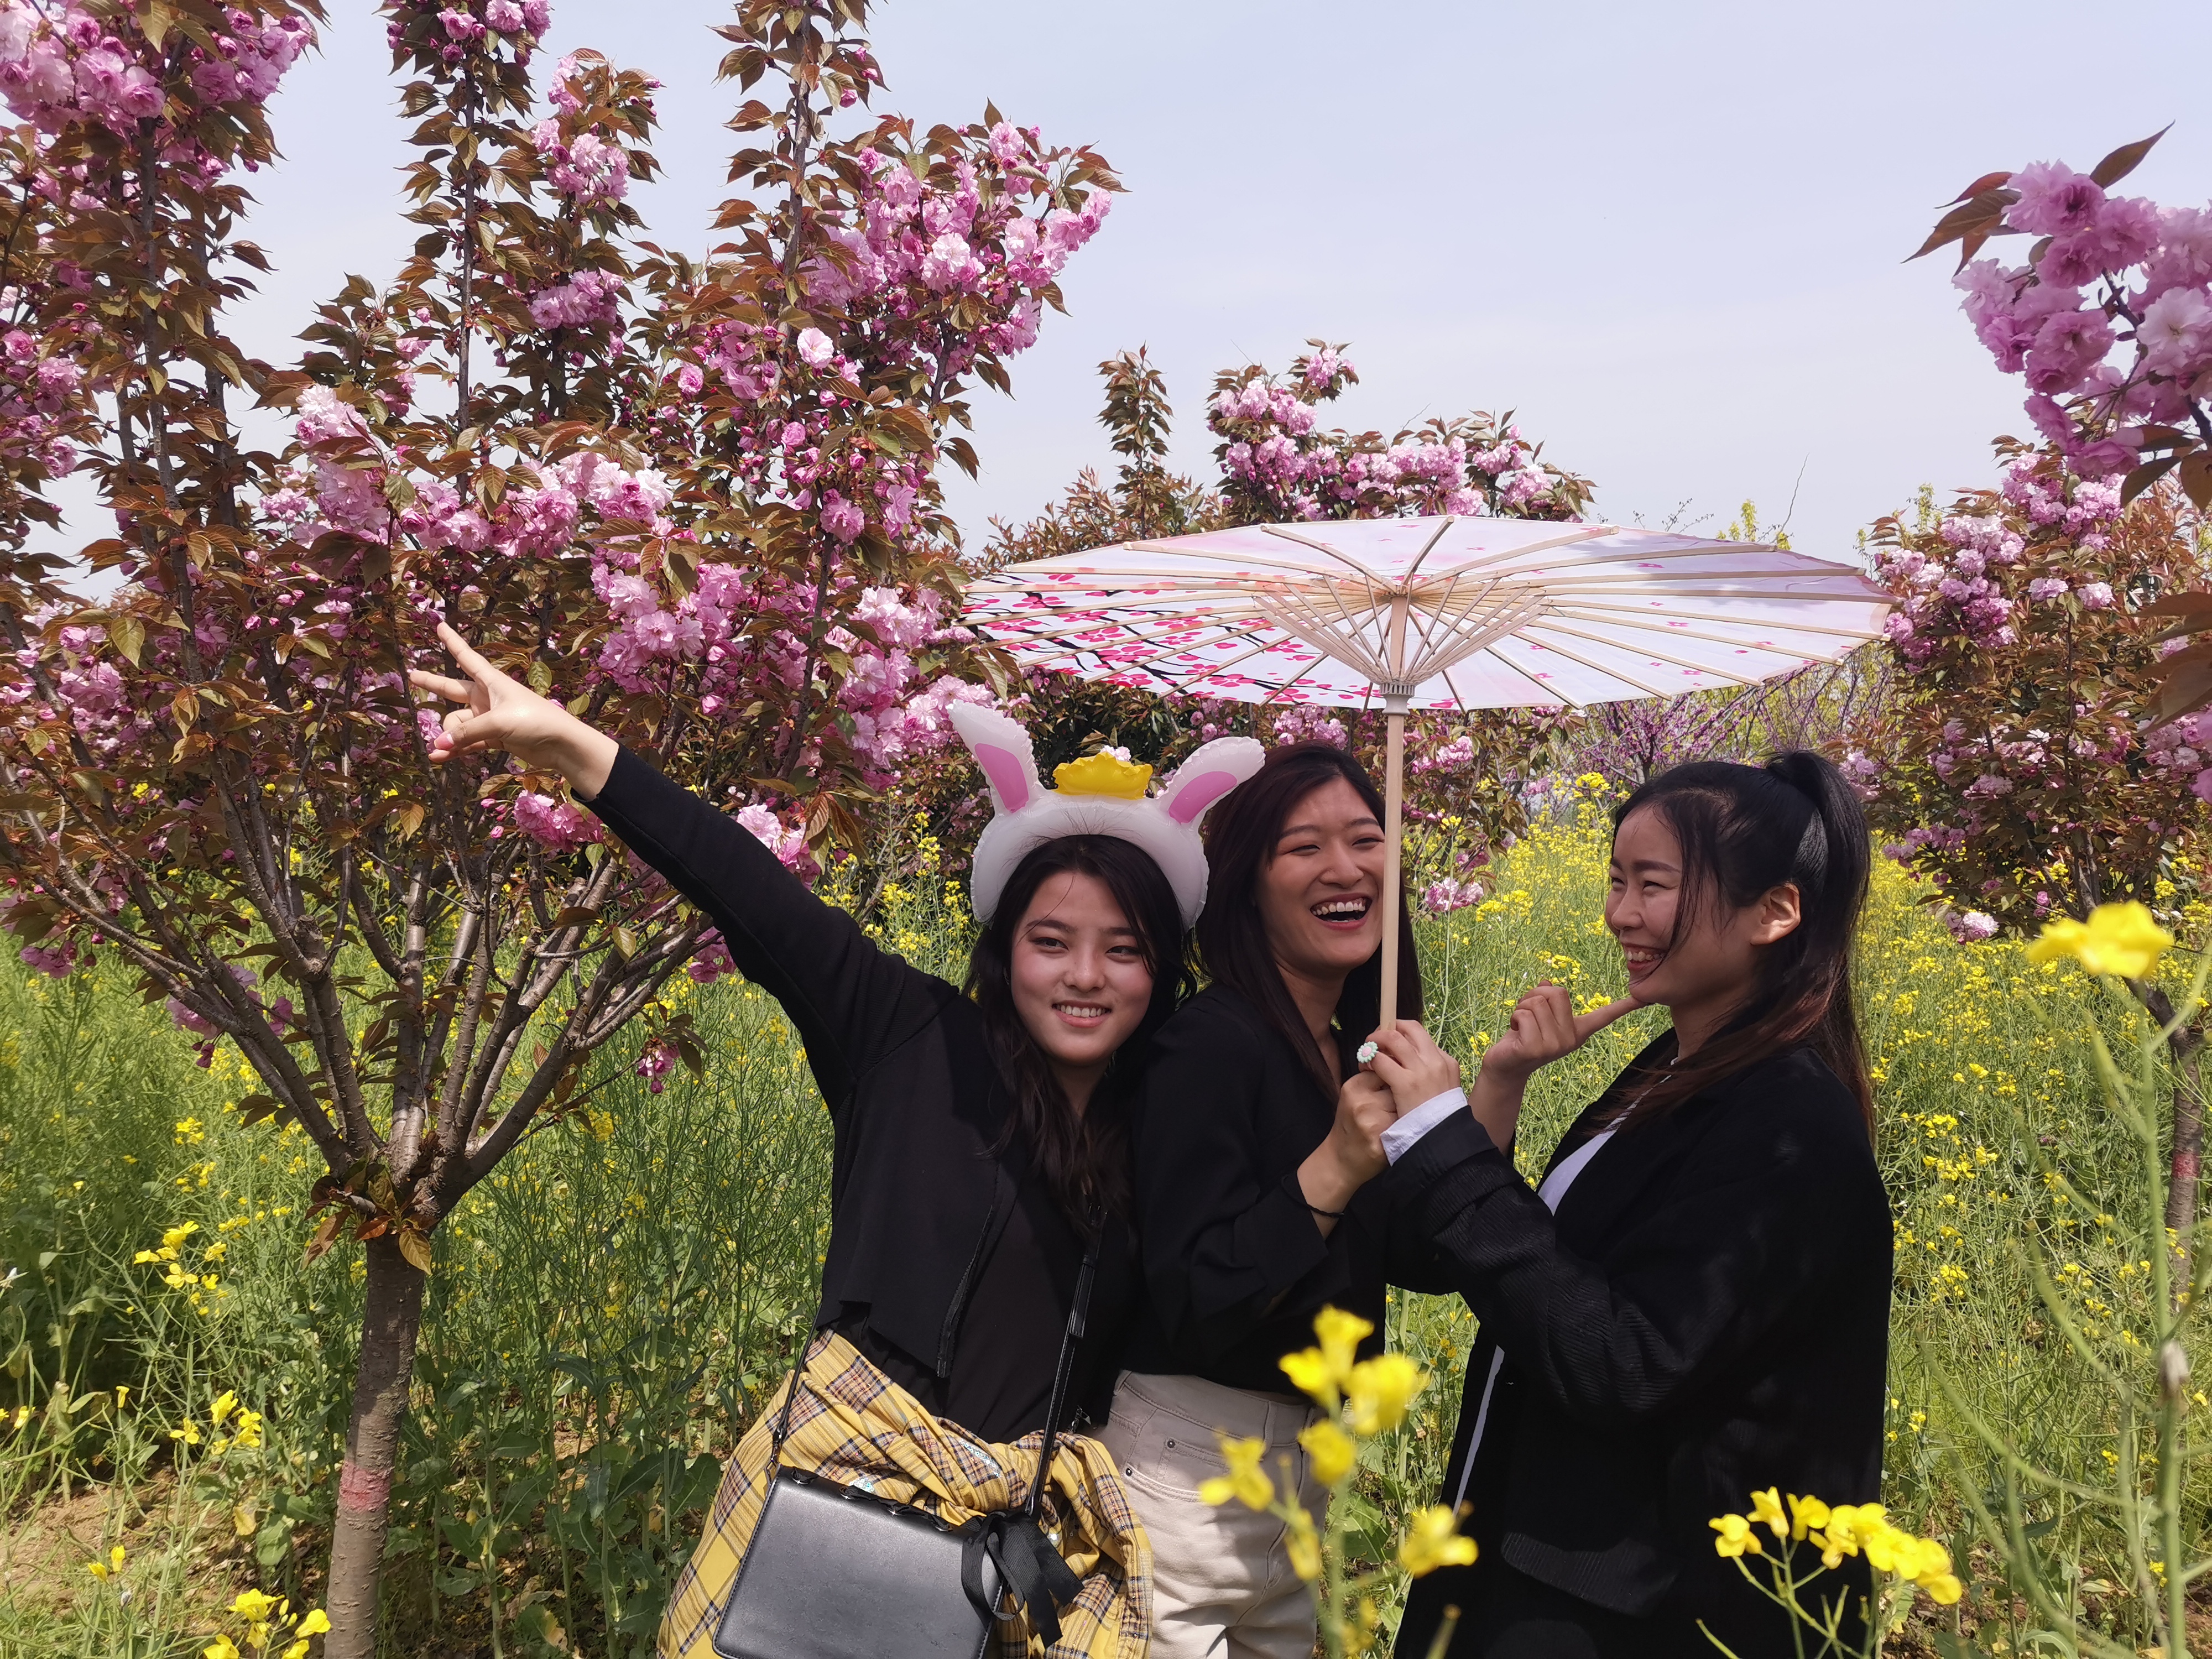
1103, 774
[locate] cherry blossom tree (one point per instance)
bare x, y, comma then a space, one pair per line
2013, 765
696, 498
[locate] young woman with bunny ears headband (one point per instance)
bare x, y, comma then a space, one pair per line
981, 1146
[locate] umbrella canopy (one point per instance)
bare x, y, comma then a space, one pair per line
1443, 614
1448, 613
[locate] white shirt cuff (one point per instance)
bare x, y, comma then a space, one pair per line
1398, 1139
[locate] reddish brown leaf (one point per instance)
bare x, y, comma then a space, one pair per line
2124, 160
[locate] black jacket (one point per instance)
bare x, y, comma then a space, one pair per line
1707, 1315
1235, 1268
919, 1200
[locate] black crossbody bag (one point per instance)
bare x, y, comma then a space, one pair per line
834, 1572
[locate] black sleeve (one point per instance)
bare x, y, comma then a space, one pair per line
1765, 1209
851, 1002
1222, 1242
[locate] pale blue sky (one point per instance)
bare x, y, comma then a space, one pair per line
1669, 236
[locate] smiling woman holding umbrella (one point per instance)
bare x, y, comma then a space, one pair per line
1256, 1140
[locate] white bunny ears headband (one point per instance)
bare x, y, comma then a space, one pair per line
1098, 795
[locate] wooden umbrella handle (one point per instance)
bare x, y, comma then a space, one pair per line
1394, 813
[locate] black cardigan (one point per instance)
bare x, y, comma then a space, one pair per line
1707, 1315
919, 1202
1235, 1266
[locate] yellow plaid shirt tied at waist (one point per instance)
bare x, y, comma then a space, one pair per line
855, 1426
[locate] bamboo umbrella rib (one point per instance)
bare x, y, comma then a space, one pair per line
1804, 653
1551, 693
1579, 534
1598, 557
1580, 607
1338, 554
1516, 614
1550, 628
1350, 621
1414, 569
1690, 634
1609, 673
1683, 585
1209, 556
1329, 645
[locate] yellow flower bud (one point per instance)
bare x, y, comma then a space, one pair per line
1246, 1481
1332, 1451
1736, 1537
1766, 1508
253, 1604
1304, 1545
1433, 1540
1379, 1389
2117, 939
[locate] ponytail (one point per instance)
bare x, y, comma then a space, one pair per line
1745, 830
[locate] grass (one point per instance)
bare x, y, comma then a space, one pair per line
609, 1308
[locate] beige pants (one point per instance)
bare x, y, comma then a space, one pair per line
1222, 1582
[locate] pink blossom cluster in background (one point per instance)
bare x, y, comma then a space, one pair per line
1977, 589
1308, 723
1279, 463
485, 25
67, 64
1443, 897
2109, 321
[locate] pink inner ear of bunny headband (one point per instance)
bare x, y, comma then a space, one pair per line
1007, 776
1199, 794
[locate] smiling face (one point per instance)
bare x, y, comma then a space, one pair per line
1080, 982
1700, 962
1320, 895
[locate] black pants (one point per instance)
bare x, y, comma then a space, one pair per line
1504, 1614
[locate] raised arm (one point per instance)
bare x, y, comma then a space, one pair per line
851, 1002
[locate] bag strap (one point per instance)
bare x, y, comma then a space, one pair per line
790, 1394
1078, 1317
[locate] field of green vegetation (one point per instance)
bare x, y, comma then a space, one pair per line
608, 1310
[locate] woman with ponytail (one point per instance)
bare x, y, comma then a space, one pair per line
1695, 1304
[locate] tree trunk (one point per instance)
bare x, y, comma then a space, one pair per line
390, 1320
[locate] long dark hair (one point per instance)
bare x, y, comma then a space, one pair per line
1082, 1159
1232, 937
1745, 830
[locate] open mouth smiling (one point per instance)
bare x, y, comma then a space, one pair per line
1348, 911
1082, 1012
1642, 958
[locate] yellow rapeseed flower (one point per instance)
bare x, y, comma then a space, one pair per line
1322, 1372
225, 1403
1304, 1545
176, 1236
317, 1623
2117, 939
1331, 1449
189, 1432
222, 1648
1379, 1390
1766, 1507
1433, 1540
1736, 1537
108, 1568
1807, 1514
1245, 1481
253, 1604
